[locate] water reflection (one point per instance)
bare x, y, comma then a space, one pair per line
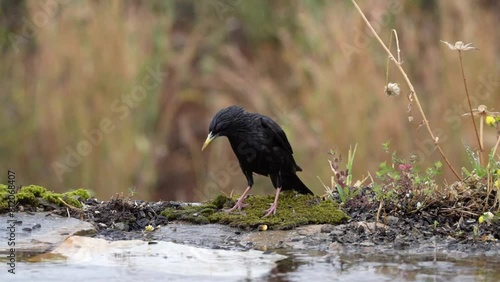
321, 266
298, 266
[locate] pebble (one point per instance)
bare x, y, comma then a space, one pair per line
121, 226
392, 220
337, 232
400, 242
327, 228
142, 222
336, 246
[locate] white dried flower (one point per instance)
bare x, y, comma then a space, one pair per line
459, 45
482, 110
392, 89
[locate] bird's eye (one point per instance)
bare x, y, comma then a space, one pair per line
218, 128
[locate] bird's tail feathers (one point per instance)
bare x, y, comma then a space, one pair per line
293, 182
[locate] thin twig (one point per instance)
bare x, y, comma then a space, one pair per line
70, 206
481, 131
397, 46
457, 210
387, 63
395, 33
412, 89
481, 149
379, 210
490, 180
496, 146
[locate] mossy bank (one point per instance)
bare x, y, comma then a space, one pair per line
34, 196
293, 210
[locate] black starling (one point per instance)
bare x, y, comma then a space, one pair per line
261, 147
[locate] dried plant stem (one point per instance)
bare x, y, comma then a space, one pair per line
497, 200
397, 45
490, 178
412, 90
379, 210
496, 146
481, 130
481, 148
387, 63
395, 33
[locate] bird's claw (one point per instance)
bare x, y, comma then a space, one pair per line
239, 205
271, 210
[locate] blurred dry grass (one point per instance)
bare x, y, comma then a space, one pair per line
311, 65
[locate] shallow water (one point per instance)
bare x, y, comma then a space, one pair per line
298, 266
380, 267
220, 253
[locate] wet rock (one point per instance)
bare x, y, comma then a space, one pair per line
142, 222
46, 231
327, 228
391, 220
121, 226
142, 214
309, 230
338, 231
368, 227
178, 262
336, 246
400, 242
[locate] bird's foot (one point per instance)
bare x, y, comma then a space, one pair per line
271, 210
239, 205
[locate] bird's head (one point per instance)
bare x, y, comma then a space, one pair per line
222, 123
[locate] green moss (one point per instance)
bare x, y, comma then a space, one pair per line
29, 195
207, 211
293, 210
193, 214
3, 198
220, 201
170, 213
82, 193
35, 190
26, 198
70, 198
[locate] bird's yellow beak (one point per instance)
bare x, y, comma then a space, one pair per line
210, 137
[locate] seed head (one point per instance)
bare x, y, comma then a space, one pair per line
392, 89
460, 46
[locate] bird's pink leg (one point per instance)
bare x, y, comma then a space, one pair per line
272, 209
239, 204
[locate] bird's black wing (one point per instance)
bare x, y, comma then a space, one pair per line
278, 133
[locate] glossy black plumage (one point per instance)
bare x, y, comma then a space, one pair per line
261, 147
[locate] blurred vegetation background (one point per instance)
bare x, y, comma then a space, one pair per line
116, 96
